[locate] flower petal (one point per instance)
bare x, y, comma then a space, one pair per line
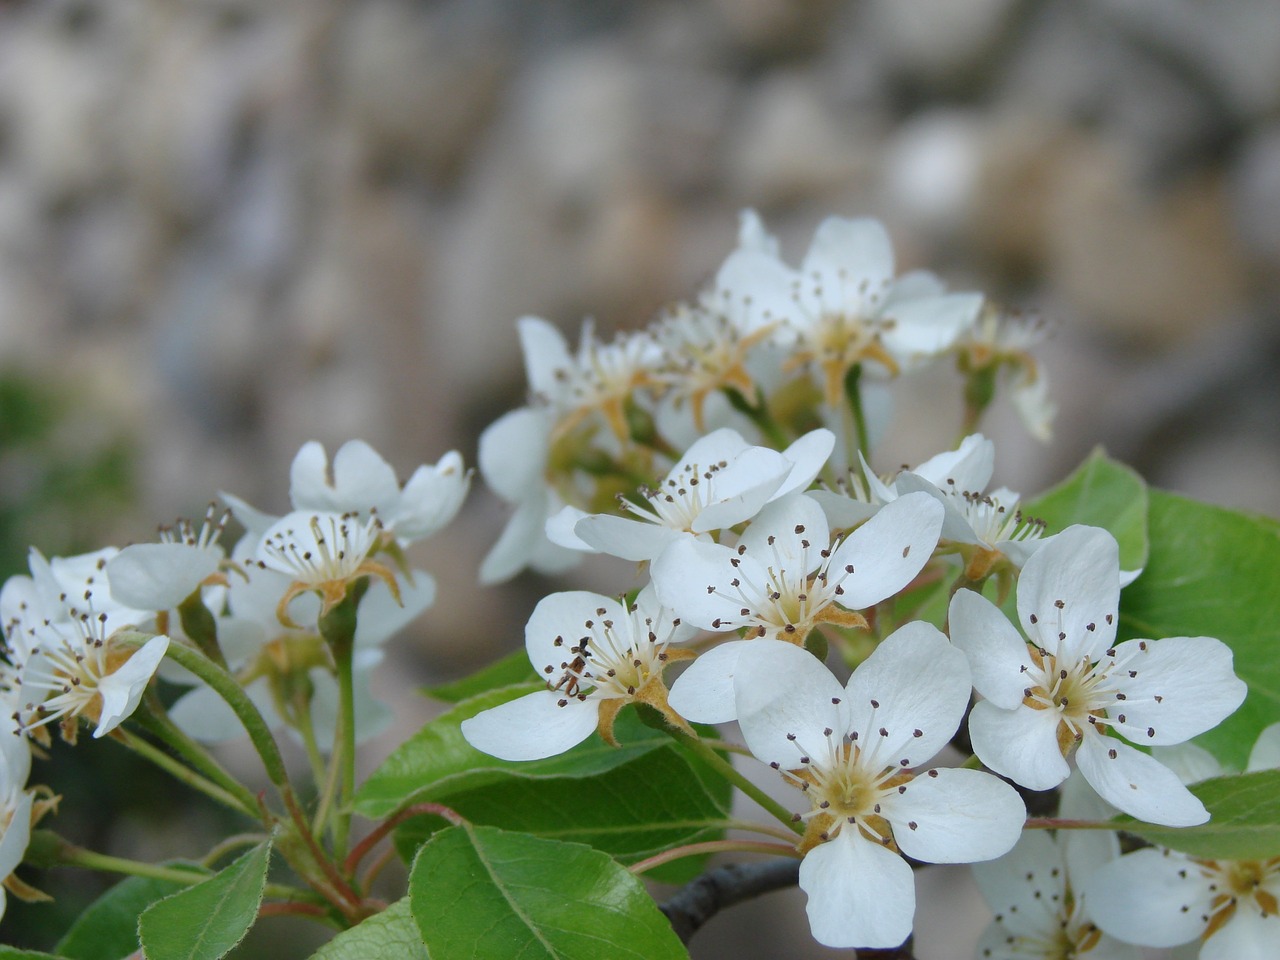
1137, 784
1079, 568
704, 692
1176, 688
1021, 744
1249, 935
808, 456
1265, 754
532, 727
512, 452
860, 894
621, 537
381, 616
430, 498
957, 816
122, 690
845, 253
907, 699
16, 835
1025, 887
558, 623
546, 353
691, 577
997, 653
159, 576
787, 701
888, 550
1152, 897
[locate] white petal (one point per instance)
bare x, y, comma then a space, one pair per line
927, 326
16, 836
1184, 686
533, 726
545, 353
843, 512
252, 519
968, 468
846, 252
1249, 935
518, 543
1136, 784
752, 234
741, 489
621, 537
512, 452
1151, 897
205, 716
15, 757
786, 532
787, 701
860, 894
1265, 754
689, 576
722, 444
361, 480
159, 576
1030, 398
1190, 763
1080, 568
960, 816
808, 456
907, 699
372, 716
122, 690
755, 291
1021, 744
381, 617
997, 652
560, 529
888, 550
430, 498
704, 692
563, 617
1025, 887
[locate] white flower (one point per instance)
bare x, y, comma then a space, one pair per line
783, 579
362, 484
1037, 889
720, 482
597, 655
1000, 339
17, 805
1062, 689
844, 308
855, 751
1160, 898
324, 553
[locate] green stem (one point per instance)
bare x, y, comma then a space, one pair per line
226, 687
713, 846
198, 624
854, 394
181, 772
759, 416
302, 723
338, 627
726, 769
1056, 823
156, 721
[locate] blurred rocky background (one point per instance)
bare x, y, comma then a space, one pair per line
229, 226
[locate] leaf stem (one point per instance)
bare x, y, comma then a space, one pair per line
714, 846
361, 849
180, 771
1057, 823
155, 720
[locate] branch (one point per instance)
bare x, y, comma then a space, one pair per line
701, 899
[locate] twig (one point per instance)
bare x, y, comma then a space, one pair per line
701, 899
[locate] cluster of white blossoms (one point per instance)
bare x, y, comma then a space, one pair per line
767, 350
768, 543
85, 635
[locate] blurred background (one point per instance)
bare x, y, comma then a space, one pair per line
230, 226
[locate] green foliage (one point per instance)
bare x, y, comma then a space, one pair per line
1215, 572
1244, 823
108, 928
392, 934
480, 893
1101, 493
511, 669
8, 953
206, 921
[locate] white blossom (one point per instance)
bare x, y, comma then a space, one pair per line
597, 654
857, 751
1062, 690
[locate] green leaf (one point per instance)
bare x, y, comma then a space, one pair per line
484, 892
657, 801
392, 934
1101, 493
9, 953
205, 921
437, 761
511, 669
1214, 572
1244, 824
108, 928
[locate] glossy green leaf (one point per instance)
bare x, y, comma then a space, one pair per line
9, 953
391, 934
1216, 573
205, 921
437, 762
511, 669
481, 892
108, 928
1101, 493
1244, 824
633, 811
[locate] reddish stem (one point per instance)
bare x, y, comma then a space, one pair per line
361, 849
